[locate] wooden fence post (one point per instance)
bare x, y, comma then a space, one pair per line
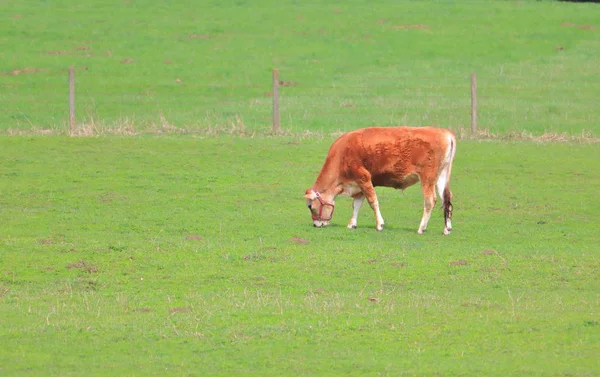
276, 124
71, 100
473, 103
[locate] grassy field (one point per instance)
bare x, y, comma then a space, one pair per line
194, 254
186, 256
198, 67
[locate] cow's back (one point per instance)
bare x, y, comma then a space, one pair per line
394, 156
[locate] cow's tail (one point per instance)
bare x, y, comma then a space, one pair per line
447, 172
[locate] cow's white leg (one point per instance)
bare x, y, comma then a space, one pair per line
378, 217
356, 204
369, 192
429, 202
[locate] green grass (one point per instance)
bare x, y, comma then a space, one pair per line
196, 256
205, 66
99, 274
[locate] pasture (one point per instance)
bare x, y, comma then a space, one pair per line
188, 256
176, 242
185, 67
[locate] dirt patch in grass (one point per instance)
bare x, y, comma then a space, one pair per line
460, 262
299, 241
83, 265
17, 72
194, 237
180, 310
127, 61
489, 252
582, 27
143, 310
199, 36
107, 197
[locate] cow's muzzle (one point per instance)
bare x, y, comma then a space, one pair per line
320, 219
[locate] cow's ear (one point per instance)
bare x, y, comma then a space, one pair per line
310, 195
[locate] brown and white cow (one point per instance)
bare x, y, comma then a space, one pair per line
395, 157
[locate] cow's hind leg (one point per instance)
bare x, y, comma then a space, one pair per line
429, 202
445, 194
356, 204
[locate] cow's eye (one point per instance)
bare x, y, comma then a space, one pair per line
310, 207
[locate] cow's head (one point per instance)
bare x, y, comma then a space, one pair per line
320, 210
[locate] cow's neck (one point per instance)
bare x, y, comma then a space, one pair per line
328, 187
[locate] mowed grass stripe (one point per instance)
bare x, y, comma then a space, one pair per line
197, 256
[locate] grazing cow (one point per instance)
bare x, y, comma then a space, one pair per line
395, 157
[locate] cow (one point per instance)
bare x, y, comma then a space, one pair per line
396, 157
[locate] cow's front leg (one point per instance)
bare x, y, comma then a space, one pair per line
356, 204
371, 196
378, 218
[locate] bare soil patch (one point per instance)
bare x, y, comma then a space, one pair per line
300, 241
582, 27
460, 262
83, 265
180, 310
17, 72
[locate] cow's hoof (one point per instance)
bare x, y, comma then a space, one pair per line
420, 231
379, 228
352, 226
446, 232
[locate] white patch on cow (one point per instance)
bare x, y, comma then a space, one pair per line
378, 217
356, 204
350, 189
424, 221
441, 183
